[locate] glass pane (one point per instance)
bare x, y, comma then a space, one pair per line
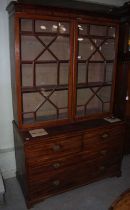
63, 113
45, 107
111, 31
83, 29
31, 101
98, 30
56, 107
86, 48
105, 93
83, 95
46, 74
28, 118
47, 112
58, 46
80, 111
27, 75
97, 57
108, 49
93, 100
87, 102
26, 25
96, 72
81, 73
98, 42
28, 44
51, 26
106, 107
47, 39
94, 106
109, 72
64, 69
60, 98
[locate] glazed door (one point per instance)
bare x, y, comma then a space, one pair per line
96, 55
45, 70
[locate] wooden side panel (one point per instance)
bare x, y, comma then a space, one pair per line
20, 160
13, 69
128, 92
127, 140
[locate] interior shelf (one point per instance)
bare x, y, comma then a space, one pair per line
44, 88
30, 33
44, 62
93, 84
95, 36
63, 87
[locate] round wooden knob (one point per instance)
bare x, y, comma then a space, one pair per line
56, 183
105, 136
56, 165
102, 168
103, 152
56, 148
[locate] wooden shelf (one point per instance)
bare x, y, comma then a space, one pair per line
95, 36
63, 87
44, 61
44, 88
30, 33
90, 61
93, 84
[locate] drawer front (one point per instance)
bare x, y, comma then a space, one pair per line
54, 148
40, 167
83, 161
81, 174
105, 133
111, 137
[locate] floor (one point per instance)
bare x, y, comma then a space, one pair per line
96, 196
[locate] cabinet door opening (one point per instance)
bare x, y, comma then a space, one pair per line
45, 69
95, 69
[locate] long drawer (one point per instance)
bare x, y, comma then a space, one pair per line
42, 170
81, 174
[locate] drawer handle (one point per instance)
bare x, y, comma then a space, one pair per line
102, 168
56, 148
56, 183
103, 152
105, 135
56, 165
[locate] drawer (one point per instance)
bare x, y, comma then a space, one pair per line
53, 148
41, 166
38, 170
109, 137
81, 162
114, 145
105, 133
81, 174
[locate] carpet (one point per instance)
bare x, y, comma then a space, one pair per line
123, 202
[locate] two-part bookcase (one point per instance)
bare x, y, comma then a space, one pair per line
63, 69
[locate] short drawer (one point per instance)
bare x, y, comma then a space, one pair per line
53, 148
109, 137
104, 133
